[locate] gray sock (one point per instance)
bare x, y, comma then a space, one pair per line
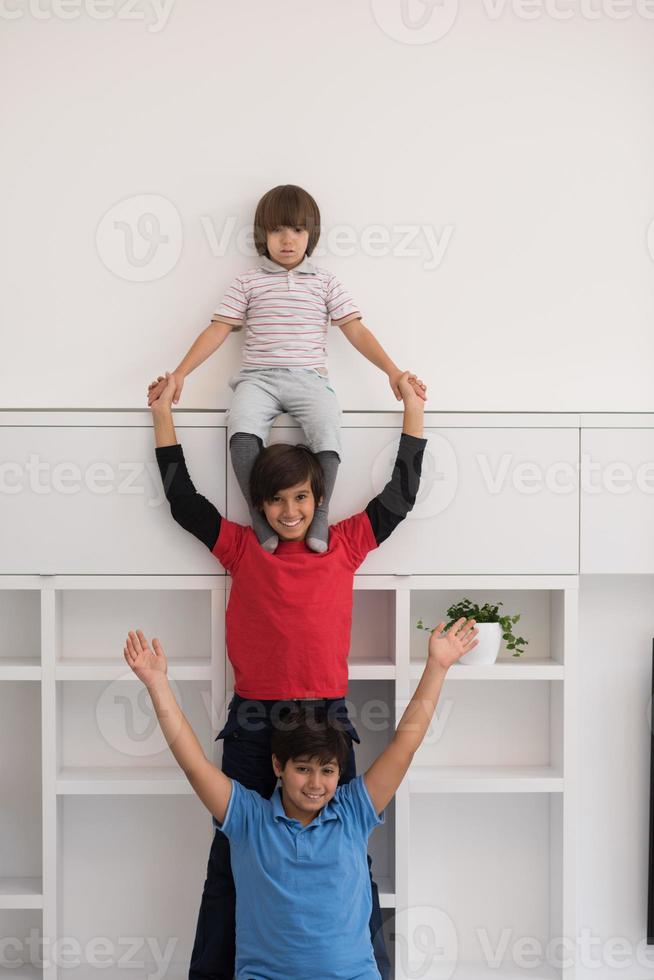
318, 535
244, 447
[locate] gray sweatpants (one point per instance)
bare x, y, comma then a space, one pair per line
261, 394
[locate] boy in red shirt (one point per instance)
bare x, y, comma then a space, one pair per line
288, 623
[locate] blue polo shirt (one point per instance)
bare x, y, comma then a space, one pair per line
303, 898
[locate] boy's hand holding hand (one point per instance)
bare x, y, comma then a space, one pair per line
411, 392
394, 380
150, 666
446, 648
162, 416
156, 388
414, 405
166, 394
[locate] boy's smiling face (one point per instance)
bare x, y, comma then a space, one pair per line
287, 245
308, 786
291, 511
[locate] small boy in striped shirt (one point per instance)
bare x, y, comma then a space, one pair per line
286, 304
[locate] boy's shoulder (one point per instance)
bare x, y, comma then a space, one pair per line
353, 805
356, 535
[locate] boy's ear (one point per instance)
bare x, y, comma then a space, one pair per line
277, 769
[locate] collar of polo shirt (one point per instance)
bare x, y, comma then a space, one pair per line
270, 266
327, 812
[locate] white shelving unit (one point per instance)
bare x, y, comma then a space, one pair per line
481, 833
96, 747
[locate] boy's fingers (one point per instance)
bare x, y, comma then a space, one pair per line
142, 639
136, 640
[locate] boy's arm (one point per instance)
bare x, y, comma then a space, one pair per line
189, 508
388, 770
363, 340
391, 506
150, 666
205, 344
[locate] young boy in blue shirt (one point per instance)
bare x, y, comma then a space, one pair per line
299, 859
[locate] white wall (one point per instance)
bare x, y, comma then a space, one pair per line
521, 140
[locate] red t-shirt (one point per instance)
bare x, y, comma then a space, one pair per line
289, 614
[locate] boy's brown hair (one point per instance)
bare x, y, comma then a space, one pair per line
280, 466
286, 206
309, 732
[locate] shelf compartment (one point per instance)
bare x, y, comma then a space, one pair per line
144, 893
102, 669
492, 868
372, 642
109, 736
27, 669
480, 971
22, 948
485, 779
20, 641
386, 892
371, 708
122, 781
542, 613
21, 893
372, 672
541, 670
510, 723
93, 624
20, 812
23, 973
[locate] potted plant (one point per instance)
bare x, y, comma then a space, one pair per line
492, 629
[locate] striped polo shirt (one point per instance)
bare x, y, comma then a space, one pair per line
286, 313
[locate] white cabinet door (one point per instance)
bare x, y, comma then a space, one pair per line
617, 500
89, 500
491, 501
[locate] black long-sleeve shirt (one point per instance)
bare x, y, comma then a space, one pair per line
385, 511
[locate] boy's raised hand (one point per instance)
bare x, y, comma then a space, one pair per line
148, 665
166, 395
410, 389
446, 648
418, 386
155, 388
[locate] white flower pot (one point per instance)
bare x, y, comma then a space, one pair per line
490, 640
